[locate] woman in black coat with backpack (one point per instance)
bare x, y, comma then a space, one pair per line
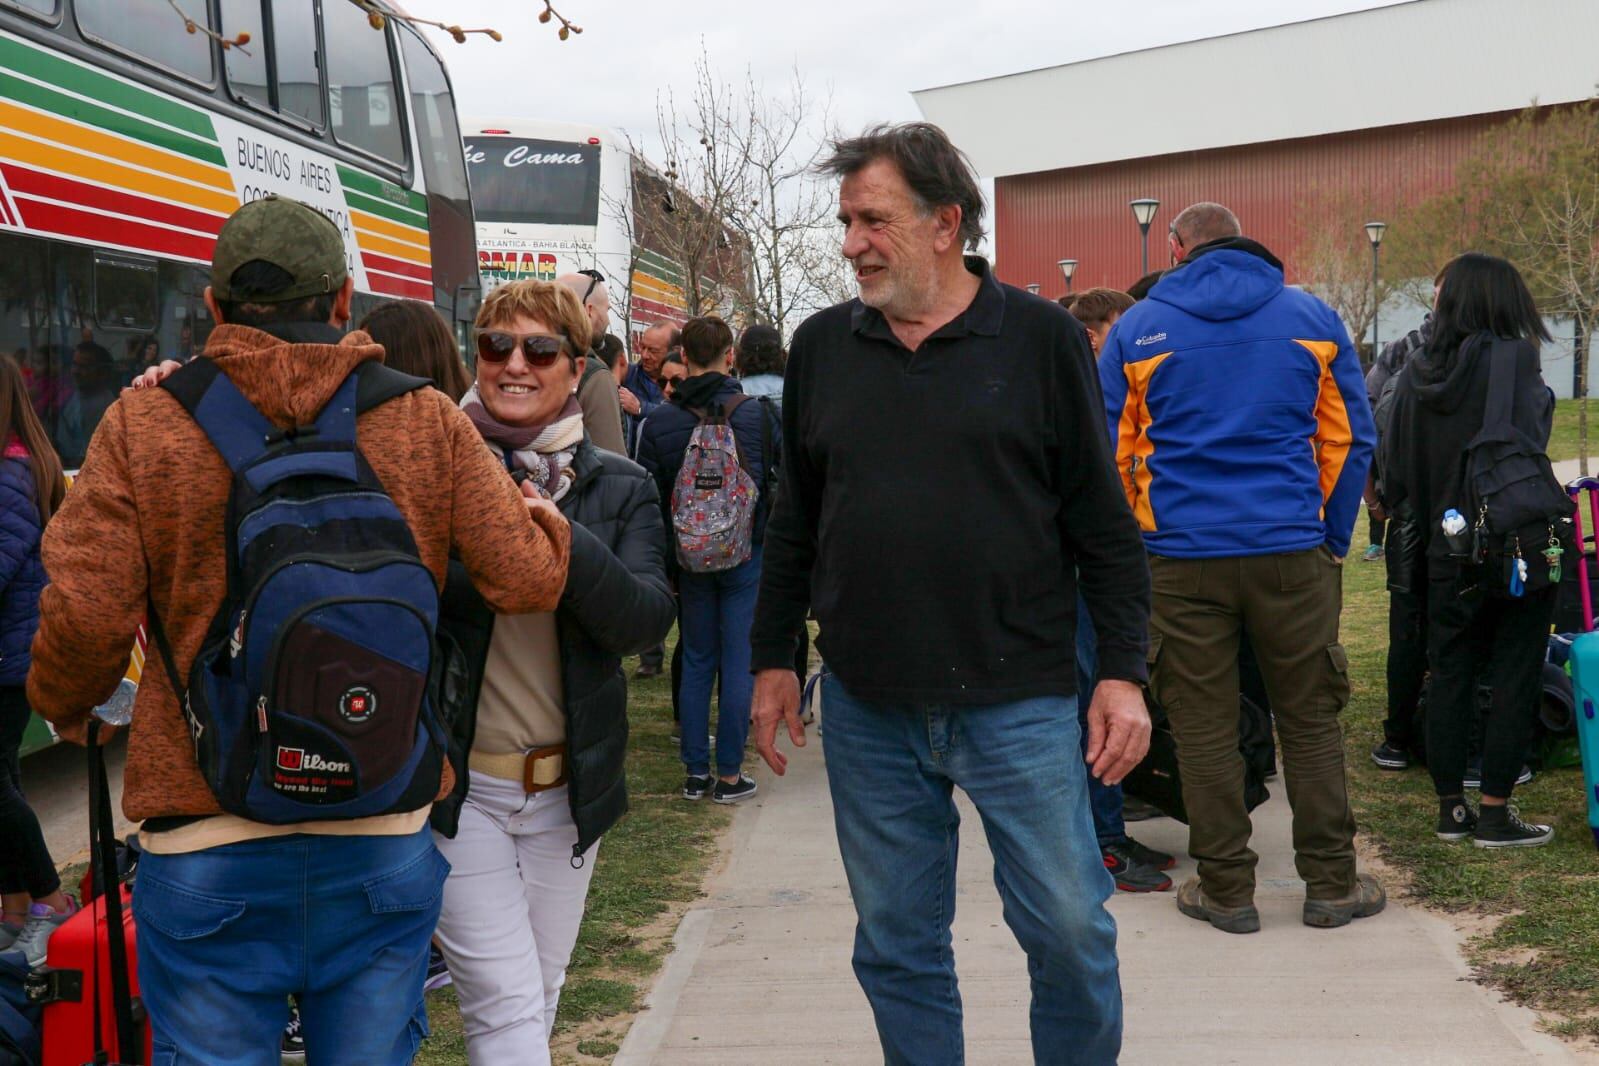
1491, 592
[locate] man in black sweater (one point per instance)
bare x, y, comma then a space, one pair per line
946, 487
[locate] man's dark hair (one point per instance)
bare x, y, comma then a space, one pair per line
760, 351
1139, 289
99, 355
610, 349
704, 340
938, 173
1094, 307
1483, 294
254, 285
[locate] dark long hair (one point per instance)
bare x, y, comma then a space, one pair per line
760, 351
1483, 294
18, 420
417, 341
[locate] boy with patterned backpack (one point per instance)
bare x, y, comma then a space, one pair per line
712, 451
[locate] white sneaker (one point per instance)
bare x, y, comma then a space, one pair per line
43, 921
8, 935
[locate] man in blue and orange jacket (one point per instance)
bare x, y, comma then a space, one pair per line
1243, 435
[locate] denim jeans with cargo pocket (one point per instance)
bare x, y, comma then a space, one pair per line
226, 935
892, 770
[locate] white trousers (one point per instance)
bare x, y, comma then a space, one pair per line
512, 906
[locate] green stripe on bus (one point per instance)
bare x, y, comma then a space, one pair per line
660, 267
384, 190
54, 70
384, 209
70, 107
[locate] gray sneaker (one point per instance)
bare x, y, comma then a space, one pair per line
43, 921
8, 935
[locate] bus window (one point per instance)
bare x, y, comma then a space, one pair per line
25, 321
150, 30
516, 179
246, 67
361, 94
438, 148
294, 59
295, 87
38, 7
124, 292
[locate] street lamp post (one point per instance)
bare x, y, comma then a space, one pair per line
1144, 214
1068, 267
1374, 232
1033, 288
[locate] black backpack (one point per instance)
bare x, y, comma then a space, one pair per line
1517, 506
315, 695
1157, 780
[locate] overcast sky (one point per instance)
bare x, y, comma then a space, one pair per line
869, 53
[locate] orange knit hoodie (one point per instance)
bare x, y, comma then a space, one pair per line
146, 514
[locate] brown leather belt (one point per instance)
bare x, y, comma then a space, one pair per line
538, 770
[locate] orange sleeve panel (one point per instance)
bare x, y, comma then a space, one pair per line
1333, 433
1133, 445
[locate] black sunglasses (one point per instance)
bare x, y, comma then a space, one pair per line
541, 350
595, 278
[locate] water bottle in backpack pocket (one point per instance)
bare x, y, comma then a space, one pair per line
313, 695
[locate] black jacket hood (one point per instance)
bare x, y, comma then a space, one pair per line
1444, 380
703, 389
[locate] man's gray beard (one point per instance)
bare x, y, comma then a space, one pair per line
905, 299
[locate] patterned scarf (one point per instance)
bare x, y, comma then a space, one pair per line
544, 451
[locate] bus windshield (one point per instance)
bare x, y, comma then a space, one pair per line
519, 179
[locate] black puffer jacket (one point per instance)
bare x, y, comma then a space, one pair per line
616, 603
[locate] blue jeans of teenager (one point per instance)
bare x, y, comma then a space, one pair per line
226, 935
1105, 801
715, 612
892, 770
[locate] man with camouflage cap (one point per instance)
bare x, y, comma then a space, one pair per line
236, 916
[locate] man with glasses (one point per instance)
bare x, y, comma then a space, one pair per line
596, 392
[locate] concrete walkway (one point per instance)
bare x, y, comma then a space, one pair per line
761, 968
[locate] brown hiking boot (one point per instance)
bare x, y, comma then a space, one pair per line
1192, 902
1367, 899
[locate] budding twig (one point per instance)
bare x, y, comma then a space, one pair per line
189, 25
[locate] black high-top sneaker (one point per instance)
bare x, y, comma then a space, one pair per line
1499, 826
1455, 819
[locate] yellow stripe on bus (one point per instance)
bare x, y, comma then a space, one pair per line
371, 242
98, 171
655, 289
85, 138
383, 226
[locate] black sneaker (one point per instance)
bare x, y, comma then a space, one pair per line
695, 786
438, 973
1455, 819
1499, 826
1473, 779
1159, 860
734, 791
1389, 757
292, 1050
1130, 874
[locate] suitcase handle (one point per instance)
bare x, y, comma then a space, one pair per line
105, 881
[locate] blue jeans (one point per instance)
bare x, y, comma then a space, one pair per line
226, 935
1105, 801
715, 612
892, 770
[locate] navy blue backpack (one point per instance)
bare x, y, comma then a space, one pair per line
313, 695
19, 1019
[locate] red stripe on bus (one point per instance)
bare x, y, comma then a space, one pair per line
102, 229
391, 265
656, 307
23, 180
384, 285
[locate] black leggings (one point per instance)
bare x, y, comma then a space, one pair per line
1503, 639
25, 864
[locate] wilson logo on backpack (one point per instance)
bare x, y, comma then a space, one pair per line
714, 497
329, 615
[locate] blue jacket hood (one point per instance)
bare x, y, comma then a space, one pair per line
1222, 280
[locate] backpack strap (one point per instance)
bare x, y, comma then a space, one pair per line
377, 383
1501, 384
767, 457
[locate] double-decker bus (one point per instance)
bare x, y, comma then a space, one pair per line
126, 141
551, 198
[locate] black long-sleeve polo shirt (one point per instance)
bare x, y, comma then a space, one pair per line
941, 508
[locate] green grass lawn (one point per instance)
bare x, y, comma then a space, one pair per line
650, 865
1563, 440
1545, 951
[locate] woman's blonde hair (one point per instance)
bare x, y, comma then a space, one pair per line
555, 305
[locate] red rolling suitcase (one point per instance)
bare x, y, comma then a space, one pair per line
88, 986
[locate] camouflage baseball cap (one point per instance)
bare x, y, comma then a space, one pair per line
288, 234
